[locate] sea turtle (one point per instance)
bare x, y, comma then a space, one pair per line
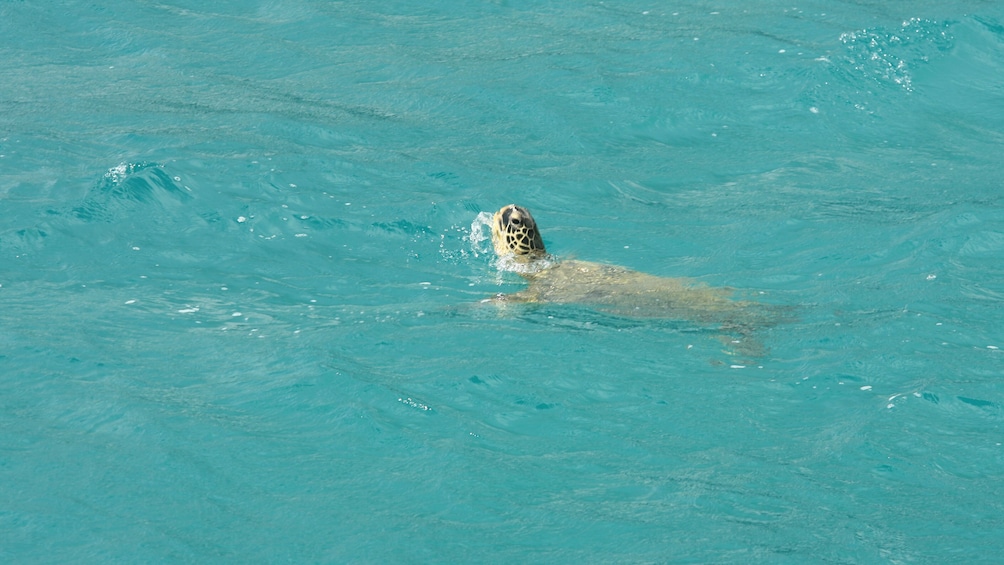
618, 290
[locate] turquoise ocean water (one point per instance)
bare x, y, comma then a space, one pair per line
240, 281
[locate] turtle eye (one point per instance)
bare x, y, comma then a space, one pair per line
516, 221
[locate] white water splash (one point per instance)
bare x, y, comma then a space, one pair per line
481, 234
512, 264
119, 172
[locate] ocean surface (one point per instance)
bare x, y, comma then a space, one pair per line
242, 274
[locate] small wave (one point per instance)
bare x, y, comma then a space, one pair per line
127, 185
890, 55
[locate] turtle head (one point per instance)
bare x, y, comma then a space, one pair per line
515, 233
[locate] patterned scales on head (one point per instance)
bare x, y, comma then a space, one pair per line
618, 290
515, 233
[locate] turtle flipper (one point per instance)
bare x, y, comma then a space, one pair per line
747, 346
512, 298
